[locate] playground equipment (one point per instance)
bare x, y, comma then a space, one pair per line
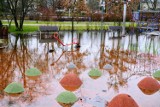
113, 30
147, 20
3, 43
55, 35
3, 36
46, 33
3, 32
49, 34
154, 33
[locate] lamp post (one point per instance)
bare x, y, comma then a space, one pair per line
124, 17
102, 8
72, 7
69, 13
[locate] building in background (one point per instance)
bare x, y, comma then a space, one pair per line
150, 5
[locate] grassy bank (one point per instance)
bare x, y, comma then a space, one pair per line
26, 29
32, 26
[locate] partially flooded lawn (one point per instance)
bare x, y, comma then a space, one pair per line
132, 58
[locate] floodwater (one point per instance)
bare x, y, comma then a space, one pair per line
26, 52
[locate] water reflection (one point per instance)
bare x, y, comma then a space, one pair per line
131, 56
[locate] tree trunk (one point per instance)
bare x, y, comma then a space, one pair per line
16, 23
21, 23
72, 24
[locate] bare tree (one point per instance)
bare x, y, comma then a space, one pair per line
93, 5
5, 13
134, 5
19, 9
81, 9
58, 6
114, 10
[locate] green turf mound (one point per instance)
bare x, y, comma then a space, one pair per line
14, 88
33, 72
95, 73
66, 97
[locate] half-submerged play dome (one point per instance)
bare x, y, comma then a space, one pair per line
71, 82
33, 73
14, 89
66, 99
149, 85
94, 73
122, 100
156, 75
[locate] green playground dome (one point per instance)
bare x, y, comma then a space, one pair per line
66, 97
14, 88
156, 74
95, 73
33, 72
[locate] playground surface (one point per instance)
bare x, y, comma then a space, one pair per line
96, 48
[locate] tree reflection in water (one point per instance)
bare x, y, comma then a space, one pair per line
20, 58
127, 55
128, 62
